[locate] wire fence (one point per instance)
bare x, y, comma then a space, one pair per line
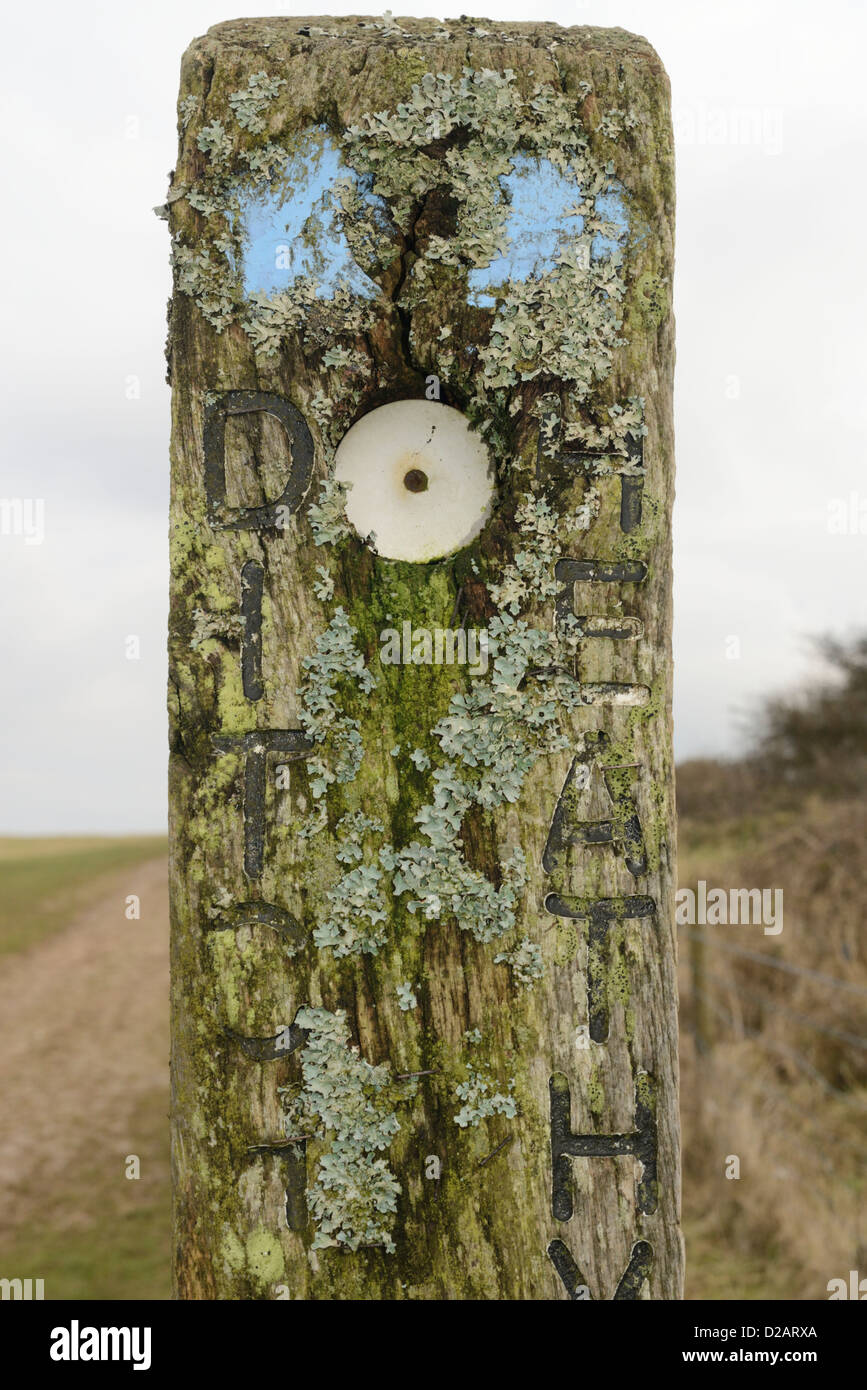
838, 1034
840, 1142
772, 963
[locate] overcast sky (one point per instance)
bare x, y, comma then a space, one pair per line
769, 104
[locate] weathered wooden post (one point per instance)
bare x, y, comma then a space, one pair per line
422, 835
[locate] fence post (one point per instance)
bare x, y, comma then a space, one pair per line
422, 824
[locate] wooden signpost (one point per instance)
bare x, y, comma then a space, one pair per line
422, 825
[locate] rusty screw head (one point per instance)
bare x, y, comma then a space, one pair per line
415, 480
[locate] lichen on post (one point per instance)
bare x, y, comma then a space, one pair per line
422, 826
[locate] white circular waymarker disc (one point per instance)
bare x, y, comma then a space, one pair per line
421, 479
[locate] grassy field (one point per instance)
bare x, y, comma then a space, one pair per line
67, 1212
46, 880
99, 1237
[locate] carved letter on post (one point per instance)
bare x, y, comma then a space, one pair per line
422, 824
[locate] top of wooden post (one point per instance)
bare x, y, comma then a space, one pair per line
399, 52
294, 33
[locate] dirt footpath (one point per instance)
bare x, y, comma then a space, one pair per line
84, 1022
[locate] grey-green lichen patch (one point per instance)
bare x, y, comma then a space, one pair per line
406, 997
565, 321
529, 576
186, 110
327, 516
323, 587
442, 885
524, 961
287, 234
207, 625
351, 830
215, 141
367, 183
491, 737
334, 661
614, 121
609, 430
345, 1101
483, 1098
274, 317
357, 919
251, 103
